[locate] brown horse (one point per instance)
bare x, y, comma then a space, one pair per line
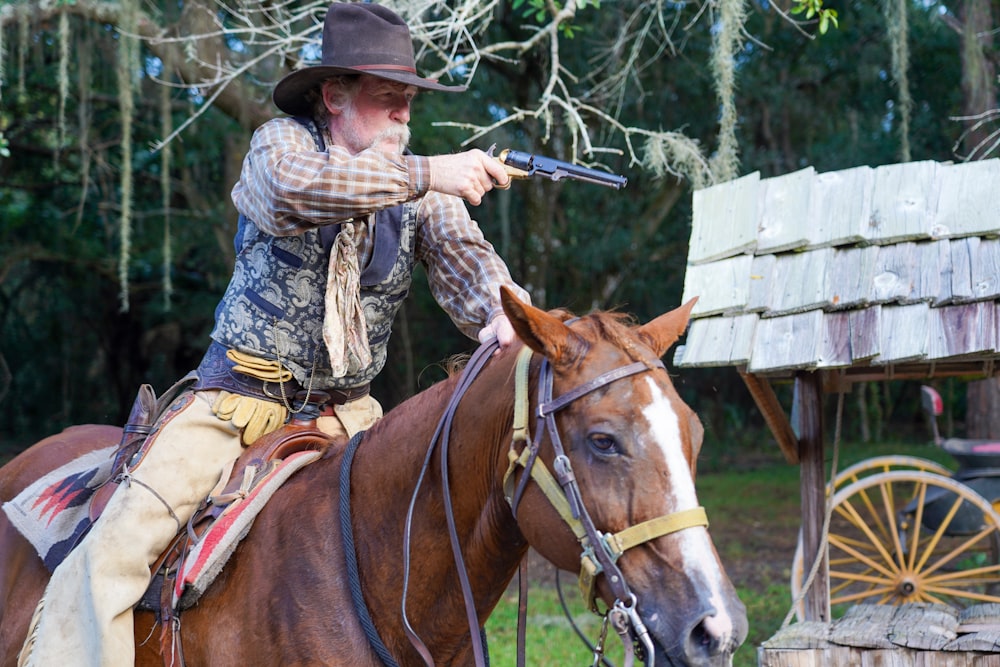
629, 459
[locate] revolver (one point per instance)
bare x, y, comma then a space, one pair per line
525, 165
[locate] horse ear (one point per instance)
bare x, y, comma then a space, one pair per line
667, 328
542, 332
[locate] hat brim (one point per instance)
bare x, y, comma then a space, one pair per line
290, 93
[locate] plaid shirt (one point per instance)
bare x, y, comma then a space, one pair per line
288, 187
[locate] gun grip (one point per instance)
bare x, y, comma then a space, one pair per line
512, 173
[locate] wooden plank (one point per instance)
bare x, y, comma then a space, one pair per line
835, 342
903, 201
804, 634
768, 657
864, 626
969, 200
962, 253
852, 271
790, 341
986, 268
840, 206
985, 614
965, 329
895, 274
721, 287
724, 220
986, 641
842, 656
707, 343
744, 328
929, 272
904, 333
866, 333
784, 218
924, 626
807, 421
774, 415
800, 282
717, 341
761, 279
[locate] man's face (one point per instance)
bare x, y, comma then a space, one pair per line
378, 117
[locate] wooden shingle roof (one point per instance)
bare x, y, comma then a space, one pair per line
866, 270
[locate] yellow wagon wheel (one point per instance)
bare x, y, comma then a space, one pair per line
910, 536
849, 475
887, 463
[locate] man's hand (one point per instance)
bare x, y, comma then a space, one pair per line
468, 175
500, 329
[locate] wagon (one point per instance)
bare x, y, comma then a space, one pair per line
907, 529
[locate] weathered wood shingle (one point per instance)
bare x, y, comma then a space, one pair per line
898, 264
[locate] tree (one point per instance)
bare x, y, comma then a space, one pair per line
674, 95
980, 110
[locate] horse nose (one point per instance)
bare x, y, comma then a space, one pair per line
709, 640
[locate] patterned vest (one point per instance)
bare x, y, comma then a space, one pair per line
274, 305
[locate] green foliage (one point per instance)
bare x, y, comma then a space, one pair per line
538, 11
826, 103
815, 9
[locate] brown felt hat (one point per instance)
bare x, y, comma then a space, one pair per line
359, 39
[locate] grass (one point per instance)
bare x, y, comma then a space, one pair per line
755, 522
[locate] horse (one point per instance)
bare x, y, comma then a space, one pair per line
628, 466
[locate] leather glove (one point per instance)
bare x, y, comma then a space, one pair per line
256, 416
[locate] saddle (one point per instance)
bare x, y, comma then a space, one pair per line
254, 467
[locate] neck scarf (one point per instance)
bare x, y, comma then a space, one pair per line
344, 329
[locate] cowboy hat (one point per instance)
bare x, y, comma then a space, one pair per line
357, 39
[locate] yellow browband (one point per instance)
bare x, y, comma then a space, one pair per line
614, 544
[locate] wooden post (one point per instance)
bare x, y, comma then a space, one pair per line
807, 417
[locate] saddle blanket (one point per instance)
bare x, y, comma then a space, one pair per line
205, 559
53, 515
53, 512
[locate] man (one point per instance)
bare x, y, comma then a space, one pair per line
333, 217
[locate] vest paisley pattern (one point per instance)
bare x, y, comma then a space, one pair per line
273, 307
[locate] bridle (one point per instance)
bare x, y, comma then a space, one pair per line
599, 551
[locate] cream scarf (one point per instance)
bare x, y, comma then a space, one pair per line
344, 329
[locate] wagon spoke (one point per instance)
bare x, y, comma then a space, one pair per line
889, 504
977, 575
921, 496
932, 544
861, 525
835, 541
961, 549
875, 516
886, 590
964, 594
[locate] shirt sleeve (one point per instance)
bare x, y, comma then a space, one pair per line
286, 186
463, 269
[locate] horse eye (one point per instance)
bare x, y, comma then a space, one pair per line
603, 443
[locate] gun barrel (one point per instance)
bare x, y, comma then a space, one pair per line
557, 169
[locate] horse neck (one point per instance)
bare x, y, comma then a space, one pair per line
476, 444
386, 473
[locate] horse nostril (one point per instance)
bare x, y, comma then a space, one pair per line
709, 637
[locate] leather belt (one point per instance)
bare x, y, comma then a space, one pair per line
332, 396
216, 372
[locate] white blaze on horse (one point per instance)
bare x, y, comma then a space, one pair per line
576, 444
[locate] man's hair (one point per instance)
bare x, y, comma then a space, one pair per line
346, 86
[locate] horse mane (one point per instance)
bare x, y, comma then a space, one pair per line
615, 327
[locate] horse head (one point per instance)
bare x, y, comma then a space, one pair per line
622, 446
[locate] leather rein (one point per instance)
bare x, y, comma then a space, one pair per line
599, 551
